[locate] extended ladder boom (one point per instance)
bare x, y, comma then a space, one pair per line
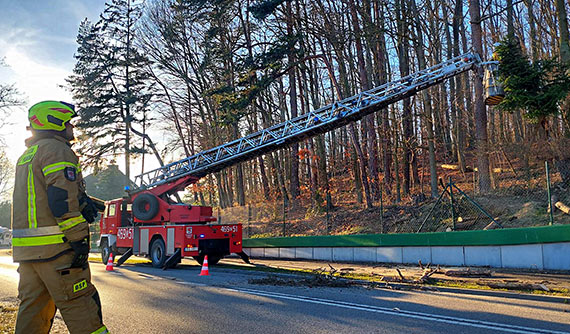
305, 126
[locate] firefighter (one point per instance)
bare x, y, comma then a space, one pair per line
50, 214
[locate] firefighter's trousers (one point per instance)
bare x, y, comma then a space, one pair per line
45, 286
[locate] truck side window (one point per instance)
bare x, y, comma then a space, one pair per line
111, 212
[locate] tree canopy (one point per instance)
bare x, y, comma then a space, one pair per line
536, 87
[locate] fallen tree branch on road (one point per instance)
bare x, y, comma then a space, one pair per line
514, 285
469, 273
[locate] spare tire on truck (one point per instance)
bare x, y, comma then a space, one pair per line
145, 206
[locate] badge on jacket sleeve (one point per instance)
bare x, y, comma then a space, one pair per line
70, 173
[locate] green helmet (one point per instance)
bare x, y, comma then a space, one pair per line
50, 115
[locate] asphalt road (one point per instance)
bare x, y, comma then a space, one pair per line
141, 299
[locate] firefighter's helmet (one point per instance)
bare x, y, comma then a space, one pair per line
50, 115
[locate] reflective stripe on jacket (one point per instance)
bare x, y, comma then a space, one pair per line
45, 206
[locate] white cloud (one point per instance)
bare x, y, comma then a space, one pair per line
37, 82
17, 37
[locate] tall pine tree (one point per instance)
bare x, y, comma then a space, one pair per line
109, 83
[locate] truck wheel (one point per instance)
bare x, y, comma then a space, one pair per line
145, 206
212, 259
105, 251
157, 253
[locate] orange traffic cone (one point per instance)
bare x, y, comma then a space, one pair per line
205, 271
110, 263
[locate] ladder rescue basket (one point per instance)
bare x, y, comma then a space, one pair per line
494, 92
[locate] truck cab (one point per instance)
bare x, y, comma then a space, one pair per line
118, 213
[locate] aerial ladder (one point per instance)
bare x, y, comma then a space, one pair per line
150, 222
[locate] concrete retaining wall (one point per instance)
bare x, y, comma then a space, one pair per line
550, 256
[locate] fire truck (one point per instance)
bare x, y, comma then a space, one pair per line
151, 220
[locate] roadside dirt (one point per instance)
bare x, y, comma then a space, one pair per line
9, 312
535, 282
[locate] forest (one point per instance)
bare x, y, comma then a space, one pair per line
167, 79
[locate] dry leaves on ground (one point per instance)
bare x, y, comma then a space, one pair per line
9, 311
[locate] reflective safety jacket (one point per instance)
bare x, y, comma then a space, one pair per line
45, 204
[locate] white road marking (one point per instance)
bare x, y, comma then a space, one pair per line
403, 313
385, 310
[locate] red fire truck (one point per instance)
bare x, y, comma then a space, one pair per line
150, 223
153, 222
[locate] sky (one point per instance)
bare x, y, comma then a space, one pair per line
38, 42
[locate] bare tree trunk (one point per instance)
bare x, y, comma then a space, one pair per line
428, 120
452, 95
564, 34
381, 65
532, 26
368, 120
404, 60
343, 76
222, 195
294, 180
480, 112
240, 191
468, 94
321, 153
396, 131
510, 23
459, 99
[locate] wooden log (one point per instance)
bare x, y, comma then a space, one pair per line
517, 286
469, 273
465, 223
562, 207
455, 167
491, 226
452, 167
495, 170
426, 274
401, 276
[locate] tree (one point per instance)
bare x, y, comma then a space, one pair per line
480, 109
106, 184
221, 69
6, 214
537, 87
368, 122
291, 57
404, 62
9, 95
564, 34
421, 54
6, 175
110, 84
